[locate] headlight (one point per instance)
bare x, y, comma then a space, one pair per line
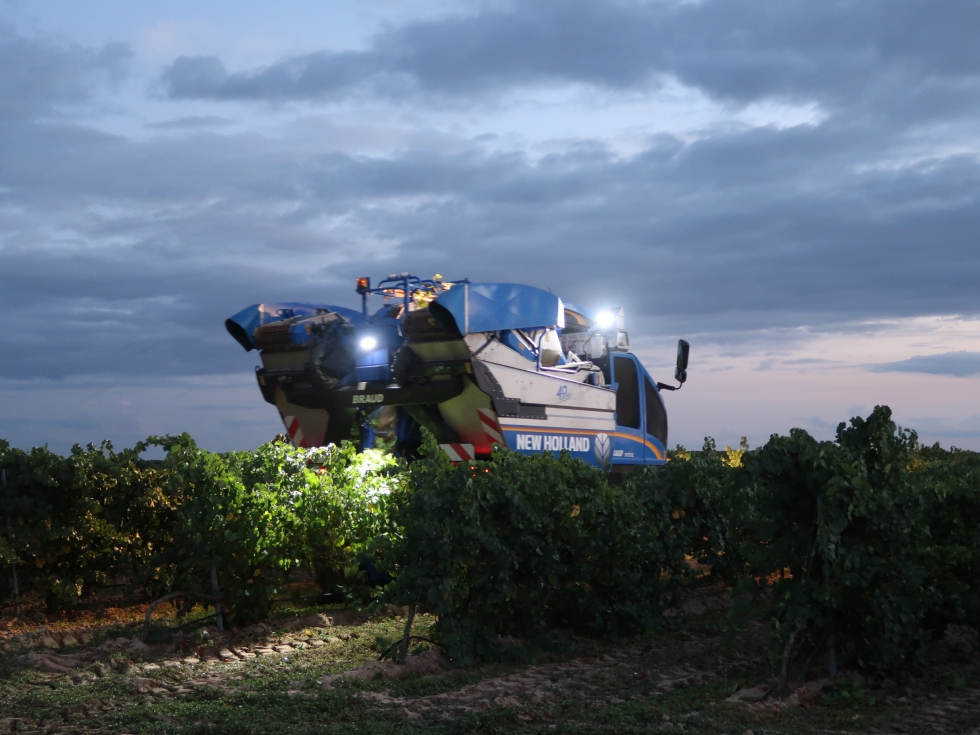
368, 343
605, 319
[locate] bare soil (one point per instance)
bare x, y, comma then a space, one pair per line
315, 670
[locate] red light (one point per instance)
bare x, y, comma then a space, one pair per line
363, 284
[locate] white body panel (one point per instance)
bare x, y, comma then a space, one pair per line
494, 352
548, 389
565, 418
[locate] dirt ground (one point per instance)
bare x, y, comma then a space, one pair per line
315, 670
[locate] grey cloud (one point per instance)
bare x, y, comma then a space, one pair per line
959, 364
122, 256
191, 122
40, 74
705, 238
313, 75
220, 412
916, 58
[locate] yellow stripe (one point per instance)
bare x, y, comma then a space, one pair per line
590, 432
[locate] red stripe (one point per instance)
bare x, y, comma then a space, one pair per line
491, 428
489, 420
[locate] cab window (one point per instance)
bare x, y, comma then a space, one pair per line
656, 416
627, 394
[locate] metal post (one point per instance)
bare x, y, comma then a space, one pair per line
13, 565
217, 605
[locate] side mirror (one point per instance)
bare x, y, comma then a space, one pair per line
683, 351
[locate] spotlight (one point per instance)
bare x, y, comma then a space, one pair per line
368, 343
605, 319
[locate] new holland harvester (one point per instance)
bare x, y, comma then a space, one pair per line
477, 364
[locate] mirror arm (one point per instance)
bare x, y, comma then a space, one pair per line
680, 374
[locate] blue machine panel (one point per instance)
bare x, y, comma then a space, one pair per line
243, 324
596, 448
496, 307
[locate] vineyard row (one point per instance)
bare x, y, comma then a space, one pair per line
863, 549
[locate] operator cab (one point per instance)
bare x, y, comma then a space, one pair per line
641, 419
601, 340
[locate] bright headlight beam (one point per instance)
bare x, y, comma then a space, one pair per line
368, 343
605, 319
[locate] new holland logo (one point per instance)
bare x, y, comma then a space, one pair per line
552, 443
368, 398
602, 447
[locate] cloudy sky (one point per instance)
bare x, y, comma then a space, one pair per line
791, 186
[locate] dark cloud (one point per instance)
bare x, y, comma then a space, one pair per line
315, 75
124, 256
911, 56
720, 235
40, 74
959, 364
